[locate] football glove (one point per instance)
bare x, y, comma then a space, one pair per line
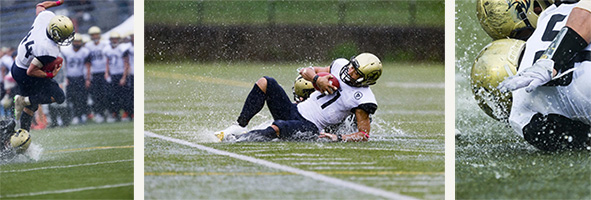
538, 74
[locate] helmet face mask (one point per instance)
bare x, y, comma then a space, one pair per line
61, 30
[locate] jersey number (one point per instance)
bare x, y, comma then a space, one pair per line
28, 46
549, 35
330, 101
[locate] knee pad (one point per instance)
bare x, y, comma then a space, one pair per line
555, 132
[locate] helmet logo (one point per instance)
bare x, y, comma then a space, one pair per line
521, 7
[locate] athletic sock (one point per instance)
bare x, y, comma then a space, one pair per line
26, 120
253, 104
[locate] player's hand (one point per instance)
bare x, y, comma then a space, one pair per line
331, 137
57, 69
87, 84
537, 75
324, 85
122, 82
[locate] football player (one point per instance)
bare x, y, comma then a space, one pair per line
96, 81
129, 83
5, 64
37, 49
117, 69
330, 105
552, 89
75, 58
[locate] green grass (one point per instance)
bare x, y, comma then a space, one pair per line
296, 12
190, 101
75, 157
491, 161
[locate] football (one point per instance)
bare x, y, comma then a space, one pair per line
52, 65
332, 80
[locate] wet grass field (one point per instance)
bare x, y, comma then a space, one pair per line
78, 162
188, 102
492, 162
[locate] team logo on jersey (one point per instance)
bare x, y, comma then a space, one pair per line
358, 95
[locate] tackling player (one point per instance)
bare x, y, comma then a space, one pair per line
328, 106
552, 96
12, 142
75, 58
37, 49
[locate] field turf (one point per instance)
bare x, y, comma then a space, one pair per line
78, 162
189, 101
492, 162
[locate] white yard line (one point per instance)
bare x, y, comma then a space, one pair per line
67, 166
313, 175
66, 190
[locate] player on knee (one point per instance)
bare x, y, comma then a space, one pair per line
34, 66
327, 106
552, 89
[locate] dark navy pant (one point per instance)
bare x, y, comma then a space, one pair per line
77, 95
99, 92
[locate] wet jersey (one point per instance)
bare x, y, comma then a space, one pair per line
129, 53
571, 99
97, 60
6, 63
115, 58
75, 61
37, 44
324, 110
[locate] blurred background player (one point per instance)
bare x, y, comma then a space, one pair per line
128, 99
12, 142
75, 58
5, 64
117, 70
96, 81
552, 89
330, 105
38, 48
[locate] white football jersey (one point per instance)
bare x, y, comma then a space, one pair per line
6, 63
115, 58
324, 110
75, 61
97, 60
36, 43
130, 54
572, 100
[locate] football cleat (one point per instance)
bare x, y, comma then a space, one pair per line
19, 105
229, 134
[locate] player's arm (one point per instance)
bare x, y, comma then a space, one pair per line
107, 69
125, 69
87, 63
311, 74
47, 4
34, 69
363, 127
579, 20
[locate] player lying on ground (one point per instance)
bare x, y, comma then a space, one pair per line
329, 105
12, 142
552, 96
34, 66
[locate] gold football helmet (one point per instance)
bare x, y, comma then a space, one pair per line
302, 89
497, 61
510, 18
61, 30
20, 140
367, 65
